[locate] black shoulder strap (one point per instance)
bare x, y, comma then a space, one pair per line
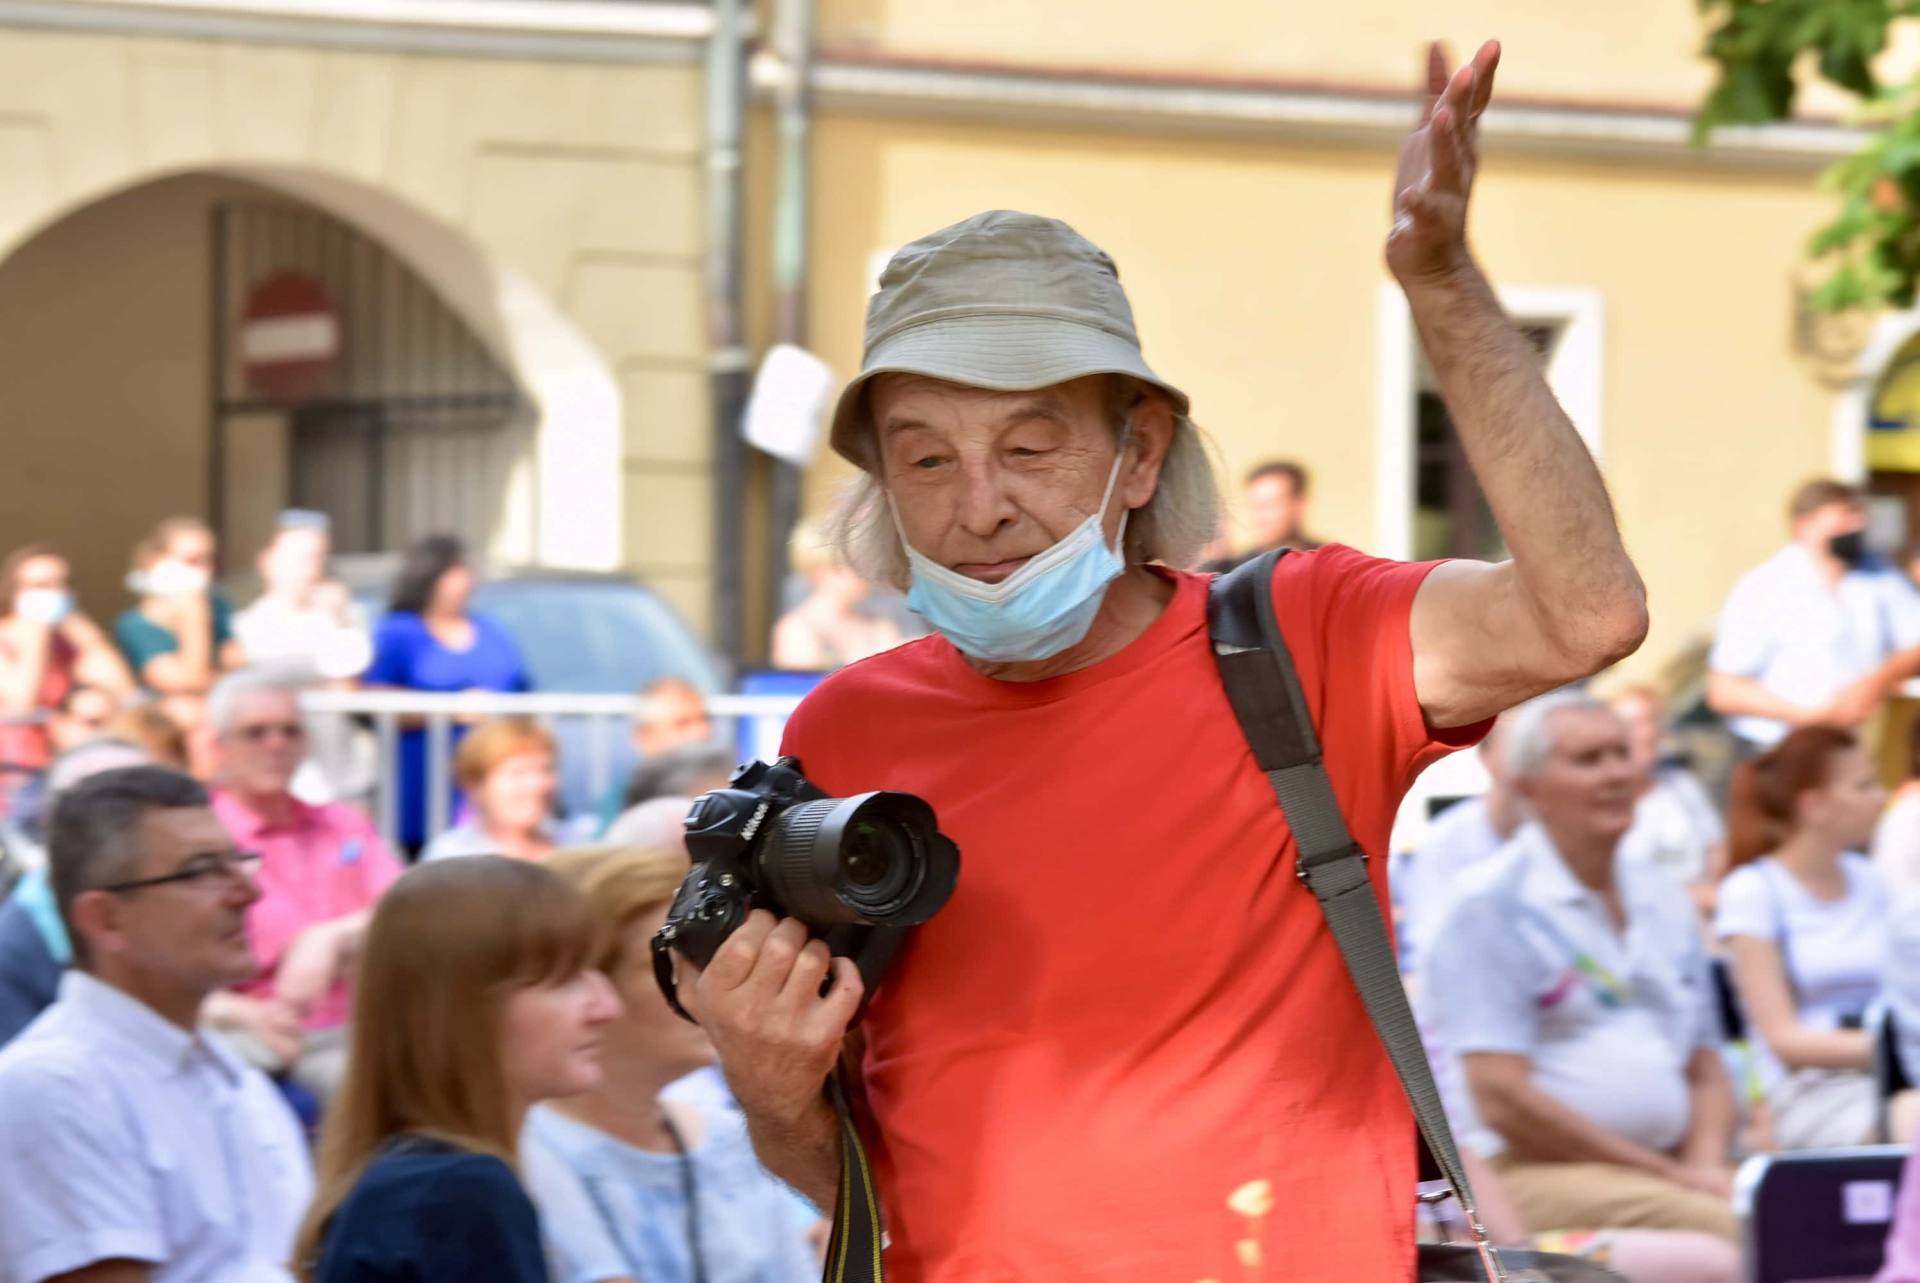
1264, 689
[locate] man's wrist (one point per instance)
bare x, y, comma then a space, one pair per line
1458, 282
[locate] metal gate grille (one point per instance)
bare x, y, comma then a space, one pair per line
392, 417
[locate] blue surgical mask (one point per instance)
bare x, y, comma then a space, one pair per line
1036, 612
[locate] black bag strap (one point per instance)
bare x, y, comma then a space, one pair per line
1264, 689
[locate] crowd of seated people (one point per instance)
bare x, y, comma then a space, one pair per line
217, 980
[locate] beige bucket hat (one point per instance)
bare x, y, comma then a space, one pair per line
1005, 301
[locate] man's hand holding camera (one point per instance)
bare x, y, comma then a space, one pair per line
835, 880
777, 1036
761, 1003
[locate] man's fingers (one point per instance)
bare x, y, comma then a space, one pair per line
1445, 149
1485, 63
1459, 94
836, 1010
778, 952
809, 969
1436, 79
734, 960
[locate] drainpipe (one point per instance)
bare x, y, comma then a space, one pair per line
726, 332
793, 43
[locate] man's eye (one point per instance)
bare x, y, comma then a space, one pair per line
200, 869
930, 461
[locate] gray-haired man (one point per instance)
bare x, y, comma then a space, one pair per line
1126, 1050
1574, 989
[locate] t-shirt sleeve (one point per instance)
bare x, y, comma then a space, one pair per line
1483, 999
379, 867
580, 1248
1902, 604
77, 1192
142, 641
1361, 619
1743, 637
1746, 907
393, 648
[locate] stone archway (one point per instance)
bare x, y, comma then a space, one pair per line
565, 505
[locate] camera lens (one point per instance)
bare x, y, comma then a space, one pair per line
870, 854
875, 858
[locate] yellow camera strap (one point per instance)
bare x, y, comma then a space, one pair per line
853, 1254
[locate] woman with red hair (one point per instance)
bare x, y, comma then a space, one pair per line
1803, 916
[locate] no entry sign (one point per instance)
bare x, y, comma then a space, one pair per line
289, 337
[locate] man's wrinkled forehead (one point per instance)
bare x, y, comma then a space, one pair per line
898, 403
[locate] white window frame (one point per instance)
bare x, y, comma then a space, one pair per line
1575, 371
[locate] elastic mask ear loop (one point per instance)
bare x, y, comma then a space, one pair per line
1113, 480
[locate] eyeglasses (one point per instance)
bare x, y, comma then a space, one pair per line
261, 731
199, 870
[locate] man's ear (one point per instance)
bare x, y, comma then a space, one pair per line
1152, 436
94, 916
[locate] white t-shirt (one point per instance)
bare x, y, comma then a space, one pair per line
1427, 881
1903, 977
1896, 844
1804, 639
1674, 827
1529, 963
1834, 951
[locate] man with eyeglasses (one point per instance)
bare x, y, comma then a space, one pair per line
134, 1146
321, 870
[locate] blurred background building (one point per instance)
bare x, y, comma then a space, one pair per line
505, 266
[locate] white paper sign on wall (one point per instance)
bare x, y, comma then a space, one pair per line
790, 397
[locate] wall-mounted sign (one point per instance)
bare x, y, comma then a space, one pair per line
289, 337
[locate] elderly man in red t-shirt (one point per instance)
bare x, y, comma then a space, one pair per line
1127, 1049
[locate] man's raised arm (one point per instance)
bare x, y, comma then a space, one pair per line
1486, 637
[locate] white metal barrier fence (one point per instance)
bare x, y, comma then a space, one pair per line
605, 722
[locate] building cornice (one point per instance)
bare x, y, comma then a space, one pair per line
590, 30
864, 82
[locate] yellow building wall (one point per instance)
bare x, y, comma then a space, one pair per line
1641, 51
1255, 275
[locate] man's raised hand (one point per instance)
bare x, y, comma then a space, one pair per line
1438, 160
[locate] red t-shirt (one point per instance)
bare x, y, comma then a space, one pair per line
1126, 1049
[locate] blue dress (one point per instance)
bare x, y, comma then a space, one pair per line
406, 655
424, 1212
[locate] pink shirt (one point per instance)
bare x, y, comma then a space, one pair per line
327, 863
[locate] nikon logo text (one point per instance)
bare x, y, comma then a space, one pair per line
752, 826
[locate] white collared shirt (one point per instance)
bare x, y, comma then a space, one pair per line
1529, 963
1804, 639
124, 1136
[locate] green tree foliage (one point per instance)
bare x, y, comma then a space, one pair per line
1870, 252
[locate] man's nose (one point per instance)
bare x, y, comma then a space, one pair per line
243, 885
984, 508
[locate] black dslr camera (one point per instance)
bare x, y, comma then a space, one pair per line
856, 870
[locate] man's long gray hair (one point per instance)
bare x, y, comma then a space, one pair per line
1173, 526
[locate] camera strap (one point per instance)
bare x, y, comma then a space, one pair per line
853, 1253
1264, 688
